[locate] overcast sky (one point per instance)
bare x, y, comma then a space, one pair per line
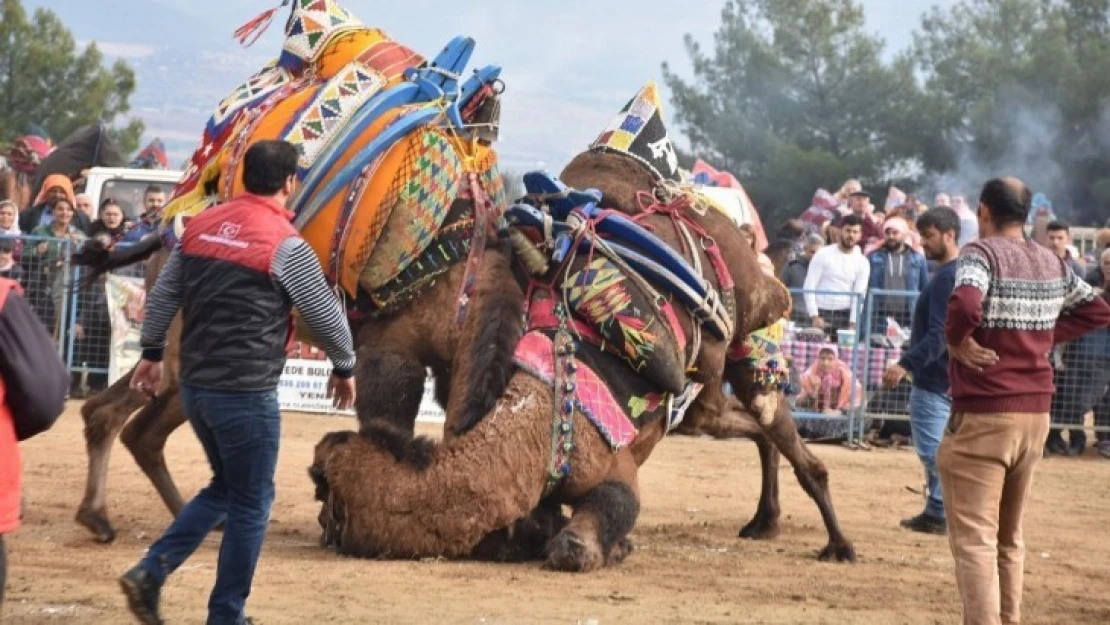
568, 65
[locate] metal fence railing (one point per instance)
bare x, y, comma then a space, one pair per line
836, 370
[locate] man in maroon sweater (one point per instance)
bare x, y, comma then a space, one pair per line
1013, 300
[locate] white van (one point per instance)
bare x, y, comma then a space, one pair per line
127, 186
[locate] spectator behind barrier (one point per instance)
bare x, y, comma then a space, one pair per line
896, 267
50, 257
837, 268
9, 225
1058, 235
794, 275
9, 268
828, 385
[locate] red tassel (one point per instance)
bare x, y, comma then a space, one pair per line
256, 27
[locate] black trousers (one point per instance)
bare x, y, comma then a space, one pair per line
835, 320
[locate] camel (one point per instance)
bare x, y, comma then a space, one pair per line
622, 180
425, 505
406, 369
364, 189
391, 374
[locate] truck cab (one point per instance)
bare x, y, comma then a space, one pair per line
127, 187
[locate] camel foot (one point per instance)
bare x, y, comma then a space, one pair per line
619, 551
98, 524
759, 528
838, 552
570, 553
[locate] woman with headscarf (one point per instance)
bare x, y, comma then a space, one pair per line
55, 187
9, 226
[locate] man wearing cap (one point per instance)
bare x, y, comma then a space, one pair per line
859, 203
896, 267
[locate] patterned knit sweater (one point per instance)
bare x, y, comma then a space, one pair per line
1018, 299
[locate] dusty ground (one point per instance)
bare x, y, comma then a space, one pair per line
688, 567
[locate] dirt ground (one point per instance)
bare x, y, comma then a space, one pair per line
688, 567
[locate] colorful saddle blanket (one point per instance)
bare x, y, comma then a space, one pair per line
384, 144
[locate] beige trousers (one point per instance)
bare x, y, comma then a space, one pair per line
986, 464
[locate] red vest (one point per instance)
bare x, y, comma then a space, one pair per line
237, 322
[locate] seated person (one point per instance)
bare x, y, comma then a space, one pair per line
828, 384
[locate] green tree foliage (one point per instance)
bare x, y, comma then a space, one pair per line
1021, 86
46, 79
795, 95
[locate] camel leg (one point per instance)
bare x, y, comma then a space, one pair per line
810, 471
145, 437
814, 478
525, 540
765, 524
104, 418
390, 386
597, 534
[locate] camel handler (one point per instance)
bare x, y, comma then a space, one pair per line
235, 275
1013, 300
33, 386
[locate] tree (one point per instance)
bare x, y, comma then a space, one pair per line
45, 79
1021, 87
796, 96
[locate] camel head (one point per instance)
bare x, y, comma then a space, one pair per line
634, 153
620, 178
320, 455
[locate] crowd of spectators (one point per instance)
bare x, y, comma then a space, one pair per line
854, 249
35, 249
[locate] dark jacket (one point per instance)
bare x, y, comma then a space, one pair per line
794, 277
237, 321
916, 269
927, 356
33, 385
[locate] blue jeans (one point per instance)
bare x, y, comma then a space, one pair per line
240, 434
928, 416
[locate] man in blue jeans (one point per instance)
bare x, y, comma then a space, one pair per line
236, 275
926, 362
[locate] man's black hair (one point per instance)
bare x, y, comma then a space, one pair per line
152, 189
1008, 200
1057, 226
944, 219
851, 220
267, 165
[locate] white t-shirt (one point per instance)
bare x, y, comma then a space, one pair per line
842, 272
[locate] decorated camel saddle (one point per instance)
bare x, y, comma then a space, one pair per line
388, 141
621, 301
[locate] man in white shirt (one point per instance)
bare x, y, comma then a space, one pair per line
839, 268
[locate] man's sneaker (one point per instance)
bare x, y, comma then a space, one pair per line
926, 524
1078, 443
1104, 449
1055, 445
142, 595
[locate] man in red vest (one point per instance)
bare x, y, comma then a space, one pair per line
236, 275
33, 385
